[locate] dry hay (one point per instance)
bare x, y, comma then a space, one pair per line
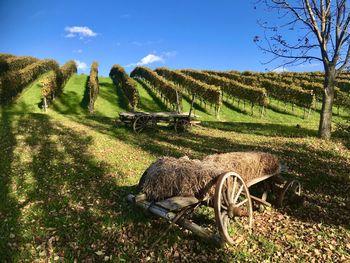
168, 176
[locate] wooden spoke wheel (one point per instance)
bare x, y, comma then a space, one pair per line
140, 123
182, 125
291, 194
233, 207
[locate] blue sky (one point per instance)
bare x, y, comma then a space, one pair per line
199, 34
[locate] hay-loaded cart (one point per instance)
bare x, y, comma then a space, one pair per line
230, 194
141, 120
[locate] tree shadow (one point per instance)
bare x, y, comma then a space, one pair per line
266, 129
322, 172
9, 212
72, 198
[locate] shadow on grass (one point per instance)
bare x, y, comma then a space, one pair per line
231, 106
266, 129
148, 105
122, 100
196, 105
9, 211
322, 172
69, 103
85, 101
72, 197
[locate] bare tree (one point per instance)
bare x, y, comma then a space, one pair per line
320, 29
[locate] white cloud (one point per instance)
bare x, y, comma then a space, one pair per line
81, 65
79, 51
280, 69
152, 58
80, 31
149, 59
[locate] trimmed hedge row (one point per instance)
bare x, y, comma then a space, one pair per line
233, 88
55, 81
15, 63
127, 84
93, 86
208, 93
12, 83
169, 91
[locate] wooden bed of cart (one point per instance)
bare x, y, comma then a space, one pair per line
232, 204
141, 120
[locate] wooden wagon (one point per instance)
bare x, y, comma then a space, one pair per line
232, 202
141, 120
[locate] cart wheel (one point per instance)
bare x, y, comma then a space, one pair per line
291, 193
140, 123
233, 207
182, 125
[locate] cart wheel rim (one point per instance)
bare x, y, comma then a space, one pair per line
290, 190
233, 207
140, 123
182, 125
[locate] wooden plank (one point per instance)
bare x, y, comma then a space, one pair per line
207, 235
259, 200
260, 179
177, 203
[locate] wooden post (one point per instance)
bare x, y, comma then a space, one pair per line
177, 102
192, 102
308, 114
45, 104
217, 111
262, 111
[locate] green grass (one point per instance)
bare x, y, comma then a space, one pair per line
64, 176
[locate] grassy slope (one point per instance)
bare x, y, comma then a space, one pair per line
65, 175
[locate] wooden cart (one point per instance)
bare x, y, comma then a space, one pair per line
140, 120
232, 203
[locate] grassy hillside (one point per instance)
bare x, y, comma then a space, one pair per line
65, 176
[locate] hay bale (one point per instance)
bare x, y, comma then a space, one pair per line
249, 165
168, 176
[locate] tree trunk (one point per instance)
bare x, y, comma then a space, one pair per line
325, 127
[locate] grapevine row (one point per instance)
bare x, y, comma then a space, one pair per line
54, 82
127, 84
12, 83
93, 86
168, 90
15, 63
233, 88
275, 89
201, 90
